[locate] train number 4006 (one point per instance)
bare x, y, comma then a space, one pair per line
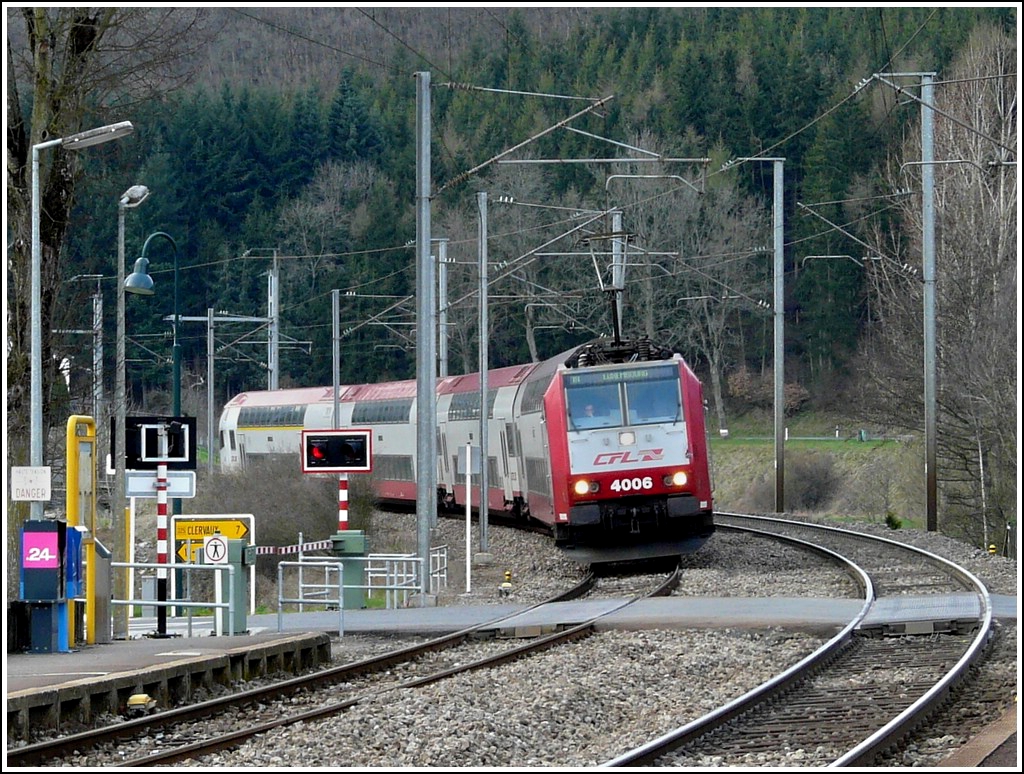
632, 484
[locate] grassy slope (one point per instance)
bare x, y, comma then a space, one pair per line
846, 477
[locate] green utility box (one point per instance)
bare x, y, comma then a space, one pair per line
100, 593
241, 556
350, 547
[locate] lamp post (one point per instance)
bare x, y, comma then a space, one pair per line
130, 199
73, 142
141, 282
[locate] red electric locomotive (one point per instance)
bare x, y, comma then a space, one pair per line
628, 453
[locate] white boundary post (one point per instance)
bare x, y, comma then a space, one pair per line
469, 469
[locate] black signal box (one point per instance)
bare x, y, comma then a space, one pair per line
336, 451
142, 442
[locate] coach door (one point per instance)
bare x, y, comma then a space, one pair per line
509, 463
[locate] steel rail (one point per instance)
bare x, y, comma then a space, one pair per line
903, 724
39, 752
884, 738
538, 645
647, 753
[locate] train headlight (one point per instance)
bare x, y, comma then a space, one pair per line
679, 478
582, 487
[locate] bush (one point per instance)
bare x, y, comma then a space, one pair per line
758, 390
284, 501
811, 482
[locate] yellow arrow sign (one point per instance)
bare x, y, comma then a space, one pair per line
233, 529
189, 552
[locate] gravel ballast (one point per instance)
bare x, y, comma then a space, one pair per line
583, 704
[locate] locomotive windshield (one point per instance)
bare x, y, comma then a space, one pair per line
623, 397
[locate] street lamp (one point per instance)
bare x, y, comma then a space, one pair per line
141, 282
74, 142
130, 199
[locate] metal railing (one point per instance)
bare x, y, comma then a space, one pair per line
397, 575
320, 589
228, 606
438, 568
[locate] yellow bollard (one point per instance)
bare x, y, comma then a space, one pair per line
506, 586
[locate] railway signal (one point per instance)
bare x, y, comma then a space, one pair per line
336, 451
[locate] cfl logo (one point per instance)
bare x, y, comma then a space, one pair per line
627, 457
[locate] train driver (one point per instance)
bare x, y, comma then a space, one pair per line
583, 417
590, 410
595, 415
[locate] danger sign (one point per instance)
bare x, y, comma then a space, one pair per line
30, 484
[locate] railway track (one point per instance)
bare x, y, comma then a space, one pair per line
859, 695
847, 704
188, 732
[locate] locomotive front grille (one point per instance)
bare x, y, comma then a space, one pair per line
638, 518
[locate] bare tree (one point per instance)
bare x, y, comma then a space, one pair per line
692, 266
541, 289
321, 223
976, 290
528, 290
73, 69
725, 277
68, 63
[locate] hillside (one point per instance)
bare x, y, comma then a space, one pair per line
282, 142
281, 47
847, 478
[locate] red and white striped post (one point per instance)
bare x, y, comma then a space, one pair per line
161, 531
342, 501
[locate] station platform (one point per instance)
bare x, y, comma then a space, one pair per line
62, 689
